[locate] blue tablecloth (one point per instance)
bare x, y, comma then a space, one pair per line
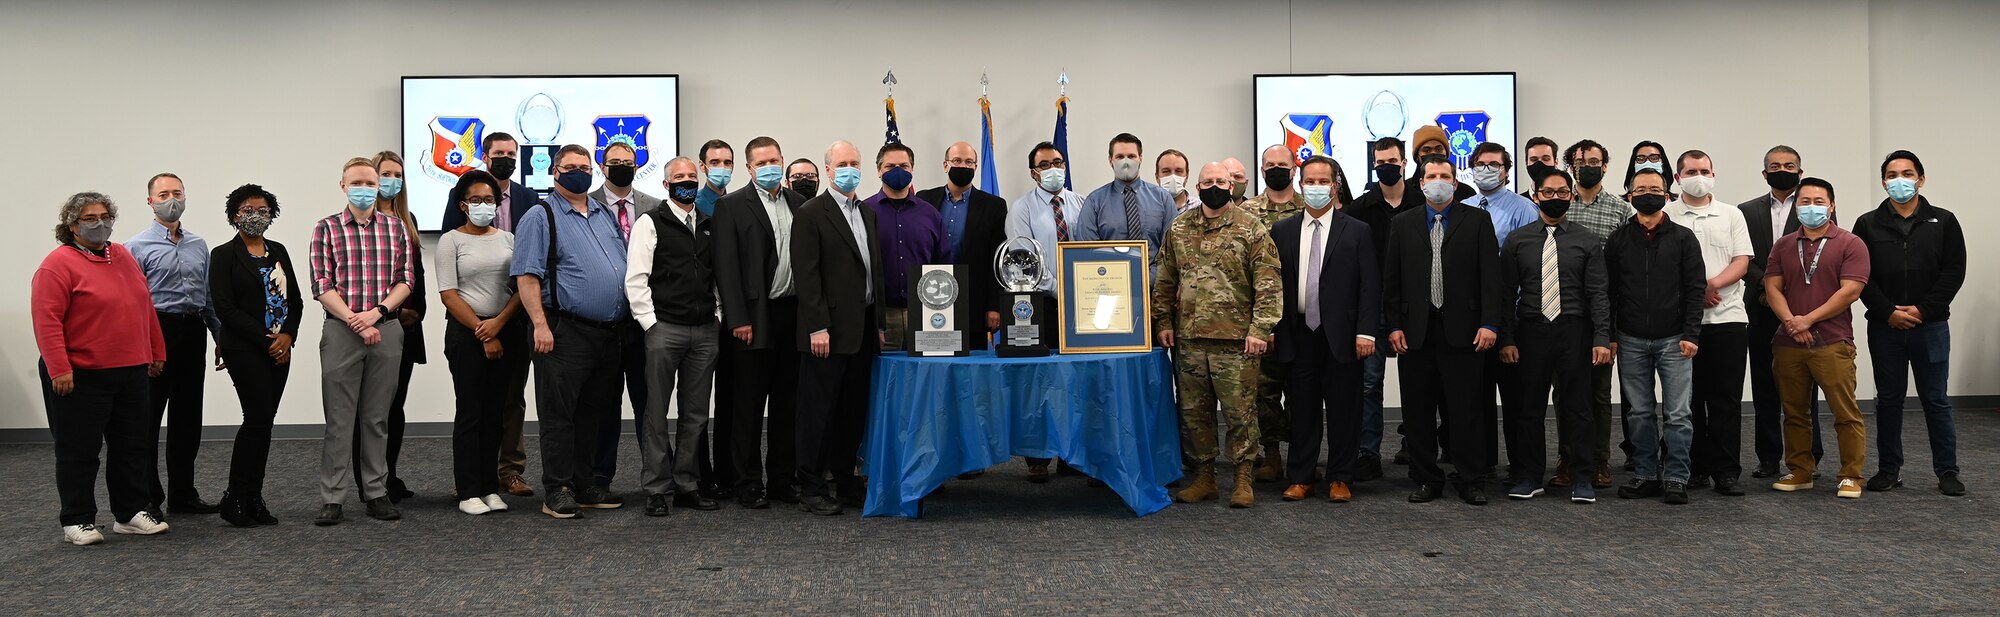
1110, 416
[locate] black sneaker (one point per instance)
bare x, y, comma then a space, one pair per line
1765, 470
1731, 487
1402, 457
820, 505
1637, 488
561, 503
594, 497
1949, 485
659, 504
752, 498
236, 510
695, 501
1676, 492
191, 503
1884, 481
1698, 482
329, 515
381, 509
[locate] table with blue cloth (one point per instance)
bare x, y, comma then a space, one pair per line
1110, 416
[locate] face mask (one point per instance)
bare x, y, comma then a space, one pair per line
1537, 170
807, 188
620, 175
1589, 177
1389, 175
960, 176
574, 181
254, 224
1173, 184
1317, 196
170, 210
482, 214
769, 176
1649, 204
1278, 178
1554, 208
1649, 165
391, 187
896, 179
362, 197
1782, 180
1902, 190
846, 178
1052, 179
1126, 170
501, 167
718, 177
1216, 197
1439, 191
683, 191
1241, 187
1697, 186
1813, 216
98, 232
1486, 178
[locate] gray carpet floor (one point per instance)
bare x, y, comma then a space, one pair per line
999, 545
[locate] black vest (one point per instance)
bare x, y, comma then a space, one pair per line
683, 277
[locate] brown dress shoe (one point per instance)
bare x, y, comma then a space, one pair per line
1038, 473
1339, 493
1603, 479
1297, 492
1561, 480
514, 486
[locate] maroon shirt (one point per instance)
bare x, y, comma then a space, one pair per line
1842, 256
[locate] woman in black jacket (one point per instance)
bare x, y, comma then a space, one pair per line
256, 295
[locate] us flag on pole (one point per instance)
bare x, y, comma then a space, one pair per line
890, 134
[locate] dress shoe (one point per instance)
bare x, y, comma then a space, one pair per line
191, 504
381, 509
1038, 473
1201, 489
695, 501
1367, 467
514, 486
1603, 478
1472, 494
1273, 466
1882, 482
1676, 492
1949, 485
819, 505
1402, 457
1699, 482
261, 511
752, 498
659, 504
1339, 493
787, 493
329, 515
1561, 479
1244, 496
398, 491
1427, 492
716, 490
1765, 470
1297, 492
235, 510
1637, 488
1730, 487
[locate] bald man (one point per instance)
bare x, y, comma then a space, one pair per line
975, 224
1279, 200
837, 270
1239, 178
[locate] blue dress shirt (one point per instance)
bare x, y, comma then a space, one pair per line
590, 259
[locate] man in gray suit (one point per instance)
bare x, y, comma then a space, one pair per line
1770, 216
618, 161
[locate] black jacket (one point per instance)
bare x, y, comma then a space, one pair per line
746, 258
985, 230
1350, 289
829, 275
237, 290
1657, 286
1923, 268
1472, 293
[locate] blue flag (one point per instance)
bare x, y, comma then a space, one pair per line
891, 135
988, 181
1062, 134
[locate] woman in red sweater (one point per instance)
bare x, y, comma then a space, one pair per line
99, 341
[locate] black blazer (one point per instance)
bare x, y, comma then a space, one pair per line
1472, 289
520, 200
985, 231
237, 290
1350, 284
828, 273
1757, 214
413, 336
746, 258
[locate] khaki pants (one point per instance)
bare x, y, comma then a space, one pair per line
1831, 367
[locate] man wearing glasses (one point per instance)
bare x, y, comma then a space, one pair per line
1600, 212
620, 167
1046, 214
975, 223
802, 177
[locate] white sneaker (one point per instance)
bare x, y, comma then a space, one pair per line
142, 524
82, 535
473, 505
495, 504
1849, 489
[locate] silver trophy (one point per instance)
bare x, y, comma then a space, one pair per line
937, 319
540, 121
1022, 273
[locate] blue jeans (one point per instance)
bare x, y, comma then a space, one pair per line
1371, 402
1638, 360
1926, 350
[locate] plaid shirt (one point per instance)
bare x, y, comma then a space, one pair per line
362, 262
1602, 215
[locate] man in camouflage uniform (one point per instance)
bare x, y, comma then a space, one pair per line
1279, 200
1219, 293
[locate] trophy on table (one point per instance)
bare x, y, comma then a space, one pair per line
937, 319
1019, 266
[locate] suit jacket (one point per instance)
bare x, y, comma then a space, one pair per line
641, 202
237, 290
1472, 289
985, 231
829, 275
521, 199
1757, 214
1350, 290
746, 259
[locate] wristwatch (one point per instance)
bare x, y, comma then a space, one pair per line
383, 309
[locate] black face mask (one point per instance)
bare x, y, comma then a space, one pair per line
1389, 175
1215, 197
960, 176
1537, 171
807, 188
1554, 208
1782, 180
1278, 178
1649, 204
684, 191
620, 175
1589, 177
501, 167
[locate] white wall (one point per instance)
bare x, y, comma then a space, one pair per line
101, 95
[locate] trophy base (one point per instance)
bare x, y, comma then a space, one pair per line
1021, 351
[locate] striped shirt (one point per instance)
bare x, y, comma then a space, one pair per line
360, 260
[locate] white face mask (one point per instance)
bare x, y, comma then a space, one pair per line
1439, 191
1052, 179
1697, 186
1126, 170
1173, 184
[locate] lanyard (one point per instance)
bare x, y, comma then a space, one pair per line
1819, 249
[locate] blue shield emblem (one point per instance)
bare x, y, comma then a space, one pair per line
1466, 130
1023, 310
937, 320
626, 129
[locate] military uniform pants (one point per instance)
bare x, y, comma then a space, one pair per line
1212, 371
1272, 421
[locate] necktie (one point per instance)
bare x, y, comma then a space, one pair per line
624, 221
1313, 258
1437, 260
690, 221
505, 218
1131, 214
1551, 281
1062, 228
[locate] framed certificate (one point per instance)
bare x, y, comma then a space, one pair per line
1104, 290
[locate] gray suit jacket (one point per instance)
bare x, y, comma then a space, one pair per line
641, 202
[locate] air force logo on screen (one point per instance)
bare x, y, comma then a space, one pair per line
1466, 130
1306, 135
454, 146
625, 129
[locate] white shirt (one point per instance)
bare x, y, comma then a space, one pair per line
1780, 211
639, 264
1306, 234
1724, 236
781, 233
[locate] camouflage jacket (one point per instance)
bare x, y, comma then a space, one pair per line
1271, 213
1218, 278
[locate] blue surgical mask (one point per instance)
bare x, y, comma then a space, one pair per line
845, 179
1317, 195
362, 197
1813, 216
1649, 166
718, 178
391, 187
1902, 190
769, 176
482, 214
1052, 179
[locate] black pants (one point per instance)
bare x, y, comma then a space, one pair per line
106, 410
482, 388
1434, 379
774, 375
1500, 378
1716, 406
260, 384
631, 364
1551, 352
1770, 408
1322, 391
394, 424
714, 451
178, 390
574, 382
833, 413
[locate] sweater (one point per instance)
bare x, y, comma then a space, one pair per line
94, 312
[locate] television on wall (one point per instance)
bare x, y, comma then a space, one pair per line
1340, 114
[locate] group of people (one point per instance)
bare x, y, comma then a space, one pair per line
1280, 310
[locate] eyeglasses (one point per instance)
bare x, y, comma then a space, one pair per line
811, 176
1554, 193
1495, 166
1648, 158
620, 163
1048, 164
570, 168
250, 211
962, 162
108, 218
480, 201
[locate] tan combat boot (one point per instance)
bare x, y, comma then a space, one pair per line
1273, 466
1203, 488
1245, 495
